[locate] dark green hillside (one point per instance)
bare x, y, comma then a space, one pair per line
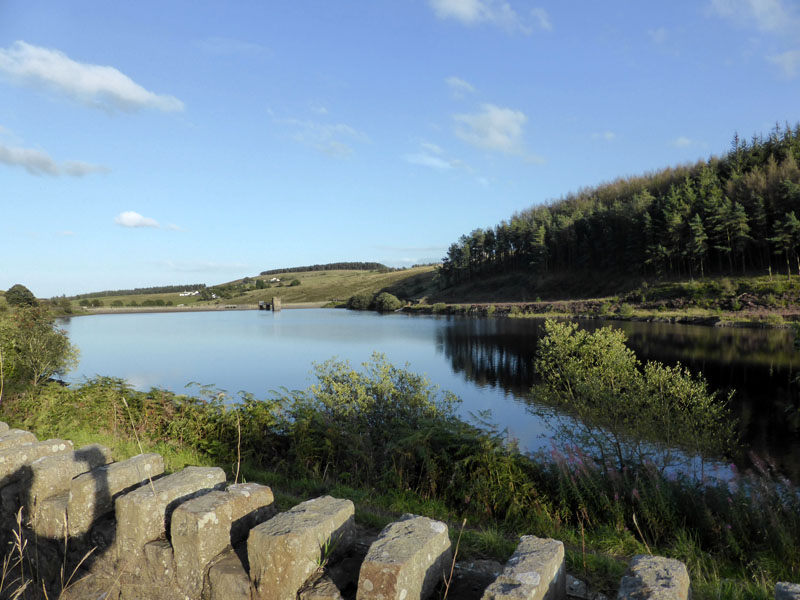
728, 216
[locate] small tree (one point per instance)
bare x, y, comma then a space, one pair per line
36, 347
19, 295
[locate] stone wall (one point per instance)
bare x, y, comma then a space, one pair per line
125, 530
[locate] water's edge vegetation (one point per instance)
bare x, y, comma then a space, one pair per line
387, 439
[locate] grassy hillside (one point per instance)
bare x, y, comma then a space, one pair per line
310, 287
330, 286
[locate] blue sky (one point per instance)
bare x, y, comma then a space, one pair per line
149, 143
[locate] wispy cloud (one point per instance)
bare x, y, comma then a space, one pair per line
333, 139
776, 18
38, 162
789, 62
608, 136
685, 142
432, 156
542, 19
459, 87
770, 16
493, 12
494, 128
659, 35
97, 86
223, 46
133, 219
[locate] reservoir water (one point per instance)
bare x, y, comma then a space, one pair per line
487, 362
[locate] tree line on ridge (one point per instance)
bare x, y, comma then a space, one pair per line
721, 216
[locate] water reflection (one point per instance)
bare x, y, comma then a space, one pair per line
760, 364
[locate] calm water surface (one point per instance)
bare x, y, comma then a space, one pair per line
486, 362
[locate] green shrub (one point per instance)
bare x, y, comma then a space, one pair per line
439, 307
386, 302
625, 310
622, 413
295, 282
360, 301
490, 310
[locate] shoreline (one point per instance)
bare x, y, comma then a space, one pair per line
501, 309
108, 310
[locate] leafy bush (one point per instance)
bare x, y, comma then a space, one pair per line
360, 301
33, 348
386, 302
625, 310
295, 282
439, 307
623, 414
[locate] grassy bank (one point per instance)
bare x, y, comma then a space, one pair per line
751, 301
384, 438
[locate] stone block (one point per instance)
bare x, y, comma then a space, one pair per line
13, 459
92, 494
16, 437
50, 519
407, 561
51, 475
787, 591
290, 547
227, 579
655, 578
204, 527
3, 427
321, 589
534, 572
159, 559
143, 515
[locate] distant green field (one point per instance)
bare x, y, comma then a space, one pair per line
332, 286
314, 286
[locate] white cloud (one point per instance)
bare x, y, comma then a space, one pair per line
431, 148
425, 159
542, 19
493, 12
459, 87
776, 17
685, 142
222, 46
606, 135
766, 15
333, 139
93, 85
432, 156
789, 62
37, 162
131, 218
494, 128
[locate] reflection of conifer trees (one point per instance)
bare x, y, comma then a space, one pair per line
492, 353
